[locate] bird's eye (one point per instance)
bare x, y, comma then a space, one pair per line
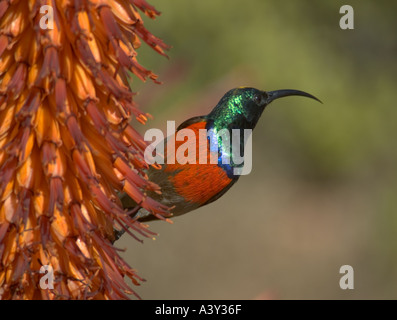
258, 99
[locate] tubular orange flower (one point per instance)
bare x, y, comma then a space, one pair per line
67, 146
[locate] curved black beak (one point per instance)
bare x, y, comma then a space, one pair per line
273, 95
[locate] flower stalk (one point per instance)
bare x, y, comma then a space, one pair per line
68, 146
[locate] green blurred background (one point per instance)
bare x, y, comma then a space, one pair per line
322, 192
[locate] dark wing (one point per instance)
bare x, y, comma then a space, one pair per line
190, 121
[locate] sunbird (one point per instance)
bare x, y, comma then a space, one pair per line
186, 187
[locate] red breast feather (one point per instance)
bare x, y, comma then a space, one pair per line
189, 186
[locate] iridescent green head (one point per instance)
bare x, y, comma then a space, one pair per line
242, 107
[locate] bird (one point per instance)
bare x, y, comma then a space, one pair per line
189, 186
